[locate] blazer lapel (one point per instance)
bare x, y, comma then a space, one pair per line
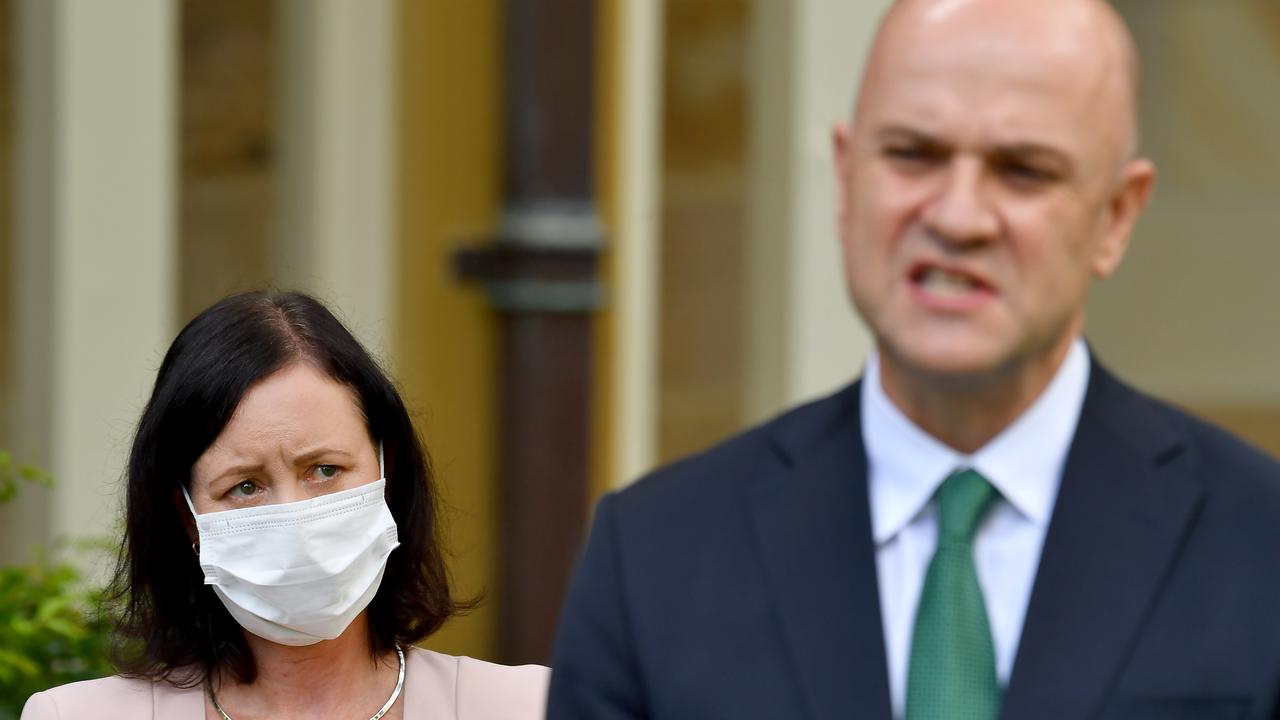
1127, 500
813, 529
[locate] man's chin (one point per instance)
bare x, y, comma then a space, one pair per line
953, 366
972, 364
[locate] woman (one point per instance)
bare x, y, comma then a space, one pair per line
281, 552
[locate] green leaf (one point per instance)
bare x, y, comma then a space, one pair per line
53, 607
22, 664
22, 627
66, 629
31, 473
53, 629
11, 472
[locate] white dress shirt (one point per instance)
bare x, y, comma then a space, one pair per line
905, 468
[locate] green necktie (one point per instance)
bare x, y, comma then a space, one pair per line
953, 668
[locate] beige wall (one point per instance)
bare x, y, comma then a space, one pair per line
628, 186
6, 218
1192, 315
702, 250
1189, 317
110, 258
227, 150
93, 291
804, 338
449, 179
753, 312
335, 129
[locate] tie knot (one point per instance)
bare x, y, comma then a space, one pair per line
963, 500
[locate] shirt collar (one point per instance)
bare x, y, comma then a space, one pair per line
1024, 462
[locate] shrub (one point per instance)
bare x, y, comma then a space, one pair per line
53, 629
11, 472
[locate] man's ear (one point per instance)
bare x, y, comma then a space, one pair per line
1137, 182
841, 147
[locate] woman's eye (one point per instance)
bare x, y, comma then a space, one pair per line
244, 489
327, 472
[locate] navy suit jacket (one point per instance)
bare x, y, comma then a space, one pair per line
741, 583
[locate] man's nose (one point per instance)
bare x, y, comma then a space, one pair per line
960, 212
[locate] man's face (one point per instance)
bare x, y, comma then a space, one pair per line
979, 196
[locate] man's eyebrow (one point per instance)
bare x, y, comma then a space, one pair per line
1030, 149
903, 133
1033, 152
1024, 150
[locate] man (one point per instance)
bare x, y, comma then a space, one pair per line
988, 524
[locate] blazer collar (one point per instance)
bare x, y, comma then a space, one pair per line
810, 507
168, 701
429, 690
1128, 498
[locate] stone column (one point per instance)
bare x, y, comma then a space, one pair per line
335, 89
804, 338
94, 269
636, 285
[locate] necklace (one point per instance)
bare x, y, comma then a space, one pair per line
395, 694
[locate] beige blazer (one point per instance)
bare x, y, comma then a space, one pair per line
435, 686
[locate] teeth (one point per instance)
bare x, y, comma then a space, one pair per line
940, 281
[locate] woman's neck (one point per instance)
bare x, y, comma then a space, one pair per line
336, 678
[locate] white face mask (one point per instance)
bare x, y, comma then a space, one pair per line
298, 573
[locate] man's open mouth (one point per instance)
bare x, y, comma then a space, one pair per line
947, 282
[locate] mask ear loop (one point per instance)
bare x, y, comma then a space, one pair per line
187, 496
382, 470
195, 548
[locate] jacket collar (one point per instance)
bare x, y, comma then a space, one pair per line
1128, 497
809, 508
1130, 494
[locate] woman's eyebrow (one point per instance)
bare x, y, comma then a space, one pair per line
237, 471
314, 454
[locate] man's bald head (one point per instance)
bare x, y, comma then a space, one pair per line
1086, 38
988, 178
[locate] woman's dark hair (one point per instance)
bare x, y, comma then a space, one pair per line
172, 626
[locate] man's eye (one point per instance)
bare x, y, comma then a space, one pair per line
326, 472
1027, 173
909, 153
912, 157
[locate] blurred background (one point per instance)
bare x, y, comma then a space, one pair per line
585, 237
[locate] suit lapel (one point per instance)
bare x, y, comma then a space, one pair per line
813, 532
1127, 500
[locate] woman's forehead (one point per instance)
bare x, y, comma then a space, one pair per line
287, 414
